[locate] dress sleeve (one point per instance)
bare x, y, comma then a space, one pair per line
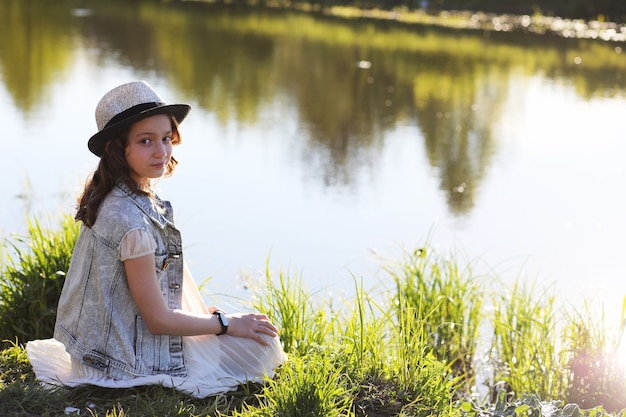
137, 243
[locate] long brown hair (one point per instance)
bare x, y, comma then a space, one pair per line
114, 168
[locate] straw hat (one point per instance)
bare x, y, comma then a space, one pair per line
126, 104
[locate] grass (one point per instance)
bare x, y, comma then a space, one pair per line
597, 359
31, 280
444, 306
526, 353
411, 354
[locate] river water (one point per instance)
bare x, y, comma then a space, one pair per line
325, 147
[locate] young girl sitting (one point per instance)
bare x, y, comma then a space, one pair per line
130, 313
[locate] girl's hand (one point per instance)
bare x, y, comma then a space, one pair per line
252, 326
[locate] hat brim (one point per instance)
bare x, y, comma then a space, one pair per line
97, 142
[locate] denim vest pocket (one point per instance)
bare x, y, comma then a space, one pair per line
156, 354
139, 342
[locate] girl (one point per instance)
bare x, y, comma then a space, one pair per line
130, 313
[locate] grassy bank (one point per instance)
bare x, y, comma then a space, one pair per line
443, 343
534, 23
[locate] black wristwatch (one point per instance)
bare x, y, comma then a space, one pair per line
221, 316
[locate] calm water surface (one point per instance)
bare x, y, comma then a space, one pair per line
328, 147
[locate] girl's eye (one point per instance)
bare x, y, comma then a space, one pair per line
145, 141
167, 139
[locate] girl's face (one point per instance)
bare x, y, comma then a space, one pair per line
149, 148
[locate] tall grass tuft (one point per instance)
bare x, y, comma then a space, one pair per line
423, 378
598, 360
290, 306
364, 344
439, 305
31, 281
527, 354
362, 335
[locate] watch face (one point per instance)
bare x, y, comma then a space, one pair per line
223, 319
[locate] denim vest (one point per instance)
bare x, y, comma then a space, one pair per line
97, 319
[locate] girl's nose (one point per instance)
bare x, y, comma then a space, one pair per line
160, 150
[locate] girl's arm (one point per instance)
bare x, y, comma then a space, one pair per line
160, 319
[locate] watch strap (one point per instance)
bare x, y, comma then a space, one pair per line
221, 318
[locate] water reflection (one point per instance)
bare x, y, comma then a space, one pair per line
35, 49
232, 60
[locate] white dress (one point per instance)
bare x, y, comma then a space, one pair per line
215, 364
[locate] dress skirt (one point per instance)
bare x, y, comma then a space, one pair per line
215, 364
